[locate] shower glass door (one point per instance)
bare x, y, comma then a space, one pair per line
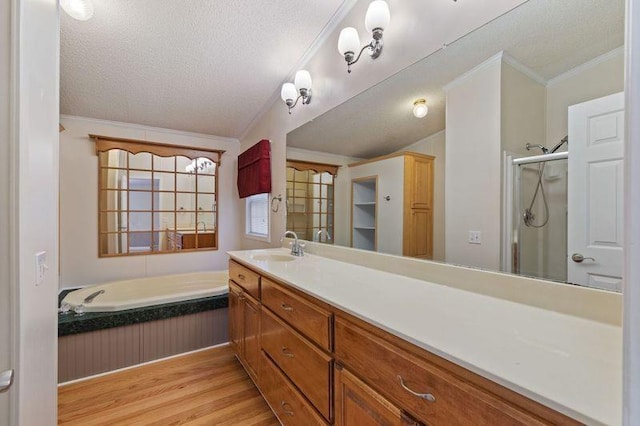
539, 243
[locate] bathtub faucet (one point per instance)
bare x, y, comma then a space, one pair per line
297, 249
204, 225
92, 296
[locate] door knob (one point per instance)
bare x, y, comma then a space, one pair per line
6, 380
578, 258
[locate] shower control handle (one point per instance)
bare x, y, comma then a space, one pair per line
578, 258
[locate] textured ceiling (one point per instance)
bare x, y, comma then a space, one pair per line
548, 36
205, 66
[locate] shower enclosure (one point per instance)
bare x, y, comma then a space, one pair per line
538, 237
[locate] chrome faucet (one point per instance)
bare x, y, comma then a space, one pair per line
204, 225
325, 232
297, 248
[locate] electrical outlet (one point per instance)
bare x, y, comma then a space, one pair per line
475, 237
41, 266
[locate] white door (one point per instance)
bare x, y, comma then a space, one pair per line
595, 209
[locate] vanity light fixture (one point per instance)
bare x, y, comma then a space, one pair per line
375, 21
300, 88
420, 108
82, 10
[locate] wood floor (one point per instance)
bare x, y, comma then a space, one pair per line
204, 388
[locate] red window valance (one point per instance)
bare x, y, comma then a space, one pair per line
254, 170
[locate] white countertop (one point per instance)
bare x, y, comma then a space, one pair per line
568, 363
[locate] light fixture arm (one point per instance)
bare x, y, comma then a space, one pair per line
375, 46
305, 95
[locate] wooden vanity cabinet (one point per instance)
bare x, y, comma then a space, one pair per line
244, 326
357, 404
319, 365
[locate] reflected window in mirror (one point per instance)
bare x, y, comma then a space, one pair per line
310, 200
155, 198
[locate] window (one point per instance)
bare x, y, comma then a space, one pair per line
257, 220
155, 198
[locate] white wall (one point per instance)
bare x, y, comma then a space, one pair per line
473, 164
37, 207
80, 264
631, 289
6, 311
341, 188
434, 145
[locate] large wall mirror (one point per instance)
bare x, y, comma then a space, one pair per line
525, 129
155, 198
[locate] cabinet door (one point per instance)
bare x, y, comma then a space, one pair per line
236, 318
419, 243
251, 338
357, 404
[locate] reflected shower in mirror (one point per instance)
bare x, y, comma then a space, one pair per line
524, 131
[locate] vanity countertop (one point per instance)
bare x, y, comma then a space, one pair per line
568, 363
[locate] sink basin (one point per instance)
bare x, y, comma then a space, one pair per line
273, 257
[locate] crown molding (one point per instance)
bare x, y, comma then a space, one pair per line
519, 66
459, 80
149, 128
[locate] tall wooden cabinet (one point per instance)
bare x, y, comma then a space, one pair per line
392, 204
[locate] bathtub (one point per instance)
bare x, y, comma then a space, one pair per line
137, 293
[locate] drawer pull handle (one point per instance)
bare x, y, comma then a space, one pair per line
286, 352
242, 277
287, 408
286, 307
429, 397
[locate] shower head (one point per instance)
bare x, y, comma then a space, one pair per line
562, 142
544, 149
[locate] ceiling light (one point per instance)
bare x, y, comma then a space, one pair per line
81, 10
375, 21
420, 108
300, 88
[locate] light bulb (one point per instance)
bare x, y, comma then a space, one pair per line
377, 16
303, 80
288, 92
349, 41
420, 108
81, 10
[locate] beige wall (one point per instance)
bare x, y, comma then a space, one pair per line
472, 170
522, 111
434, 145
601, 77
80, 264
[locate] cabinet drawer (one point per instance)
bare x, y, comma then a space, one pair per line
311, 320
396, 374
286, 402
245, 278
306, 365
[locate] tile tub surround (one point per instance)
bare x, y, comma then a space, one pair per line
551, 351
91, 321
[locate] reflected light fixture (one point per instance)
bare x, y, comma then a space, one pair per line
291, 93
420, 108
375, 21
200, 164
82, 10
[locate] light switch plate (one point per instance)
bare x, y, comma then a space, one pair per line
475, 237
41, 266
